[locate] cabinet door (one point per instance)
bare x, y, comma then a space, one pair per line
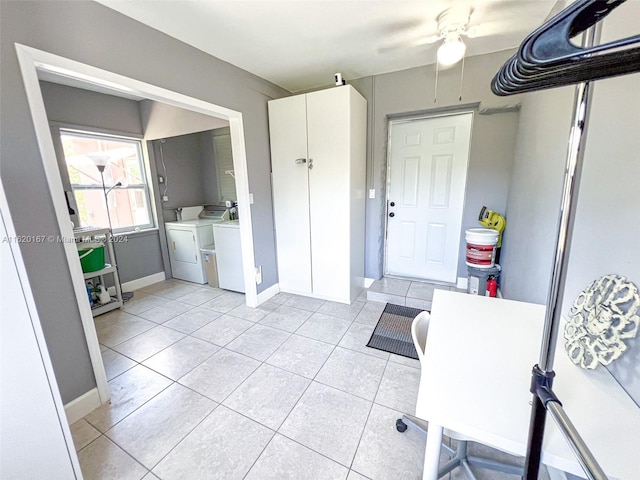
288, 131
182, 245
328, 127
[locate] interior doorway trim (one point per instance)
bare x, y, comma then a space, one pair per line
31, 60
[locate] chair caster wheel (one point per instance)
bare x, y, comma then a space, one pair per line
401, 426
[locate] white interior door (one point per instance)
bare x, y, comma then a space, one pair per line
428, 161
289, 167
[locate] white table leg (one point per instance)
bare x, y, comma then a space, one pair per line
432, 452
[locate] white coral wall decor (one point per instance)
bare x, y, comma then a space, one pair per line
603, 315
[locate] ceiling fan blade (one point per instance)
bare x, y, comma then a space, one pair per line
428, 40
408, 44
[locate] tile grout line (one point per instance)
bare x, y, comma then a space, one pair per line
295, 404
262, 362
368, 417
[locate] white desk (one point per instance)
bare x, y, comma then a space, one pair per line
475, 380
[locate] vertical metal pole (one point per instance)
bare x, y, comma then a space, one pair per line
573, 170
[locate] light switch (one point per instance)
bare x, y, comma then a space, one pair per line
251, 198
372, 193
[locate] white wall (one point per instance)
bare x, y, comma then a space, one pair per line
607, 231
160, 120
606, 235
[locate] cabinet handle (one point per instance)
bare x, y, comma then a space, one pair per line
392, 214
174, 245
300, 161
310, 163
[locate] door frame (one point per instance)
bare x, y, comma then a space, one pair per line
31, 60
409, 119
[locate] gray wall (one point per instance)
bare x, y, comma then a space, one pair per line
534, 194
209, 166
410, 92
183, 161
140, 255
191, 174
90, 109
607, 225
84, 31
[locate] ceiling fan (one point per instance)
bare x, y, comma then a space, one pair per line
452, 25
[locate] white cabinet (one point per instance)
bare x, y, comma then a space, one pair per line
318, 155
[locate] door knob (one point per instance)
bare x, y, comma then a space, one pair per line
300, 161
393, 204
392, 214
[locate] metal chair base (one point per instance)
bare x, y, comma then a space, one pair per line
459, 456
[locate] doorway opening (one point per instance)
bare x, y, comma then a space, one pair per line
427, 167
34, 63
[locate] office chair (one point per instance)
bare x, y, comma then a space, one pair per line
459, 456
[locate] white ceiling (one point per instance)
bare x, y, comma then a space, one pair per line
300, 44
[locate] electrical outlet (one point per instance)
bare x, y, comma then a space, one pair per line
259, 274
160, 179
372, 193
165, 198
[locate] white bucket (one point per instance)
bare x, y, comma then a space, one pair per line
481, 247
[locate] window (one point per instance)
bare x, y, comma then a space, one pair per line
125, 189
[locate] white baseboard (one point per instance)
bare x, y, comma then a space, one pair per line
368, 282
462, 283
140, 283
143, 282
265, 295
81, 406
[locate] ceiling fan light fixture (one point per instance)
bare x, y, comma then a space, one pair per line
451, 51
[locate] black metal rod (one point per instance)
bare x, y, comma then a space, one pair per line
534, 447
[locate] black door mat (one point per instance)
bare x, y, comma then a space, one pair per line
393, 331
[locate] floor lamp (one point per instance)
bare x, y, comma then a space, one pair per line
101, 162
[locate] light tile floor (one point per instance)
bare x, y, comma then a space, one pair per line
205, 388
405, 292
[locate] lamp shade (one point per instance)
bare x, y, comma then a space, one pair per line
451, 51
99, 160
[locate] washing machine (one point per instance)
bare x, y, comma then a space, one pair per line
187, 236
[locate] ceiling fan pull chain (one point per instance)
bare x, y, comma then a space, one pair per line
435, 90
461, 79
